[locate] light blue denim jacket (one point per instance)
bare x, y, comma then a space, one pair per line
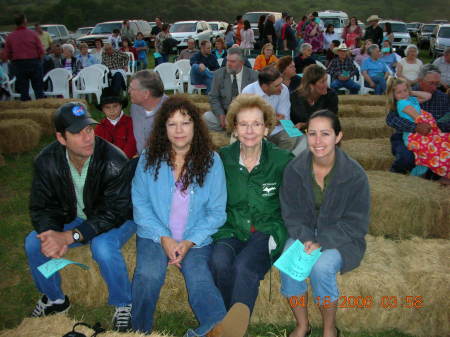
152, 201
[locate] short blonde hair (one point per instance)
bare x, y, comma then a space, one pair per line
392, 83
246, 101
84, 45
267, 45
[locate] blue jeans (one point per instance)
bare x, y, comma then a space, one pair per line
105, 251
380, 84
26, 71
150, 273
404, 159
322, 277
201, 77
349, 84
238, 267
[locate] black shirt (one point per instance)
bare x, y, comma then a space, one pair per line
375, 34
301, 109
301, 63
155, 30
269, 29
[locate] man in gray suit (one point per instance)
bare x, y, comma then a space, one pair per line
227, 83
147, 94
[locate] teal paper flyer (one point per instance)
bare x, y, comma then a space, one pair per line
290, 128
296, 263
50, 267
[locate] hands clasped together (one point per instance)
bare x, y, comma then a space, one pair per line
175, 251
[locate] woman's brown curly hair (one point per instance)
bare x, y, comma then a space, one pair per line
198, 160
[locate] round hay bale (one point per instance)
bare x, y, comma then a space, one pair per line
403, 206
372, 154
44, 103
219, 139
354, 127
416, 267
44, 117
363, 99
19, 135
59, 325
203, 107
364, 111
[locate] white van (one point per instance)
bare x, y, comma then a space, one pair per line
338, 19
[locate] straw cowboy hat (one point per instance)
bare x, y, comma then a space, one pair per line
373, 18
342, 47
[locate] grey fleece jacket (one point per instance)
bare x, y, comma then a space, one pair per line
343, 219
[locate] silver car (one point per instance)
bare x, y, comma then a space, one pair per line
198, 30
439, 40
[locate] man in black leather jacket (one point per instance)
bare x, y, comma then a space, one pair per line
79, 195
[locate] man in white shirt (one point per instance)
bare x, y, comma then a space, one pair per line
270, 87
147, 94
443, 63
228, 82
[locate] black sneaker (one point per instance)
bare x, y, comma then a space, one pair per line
44, 309
122, 319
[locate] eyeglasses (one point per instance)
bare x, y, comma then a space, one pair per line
253, 126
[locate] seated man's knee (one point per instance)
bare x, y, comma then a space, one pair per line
102, 249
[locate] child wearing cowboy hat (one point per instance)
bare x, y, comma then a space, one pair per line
116, 127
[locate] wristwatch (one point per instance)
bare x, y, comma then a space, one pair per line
76, 236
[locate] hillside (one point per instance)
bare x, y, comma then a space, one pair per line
75, 13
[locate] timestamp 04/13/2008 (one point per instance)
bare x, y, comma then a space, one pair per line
364, 302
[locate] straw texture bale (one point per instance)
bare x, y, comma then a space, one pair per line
363, 99
372, 154
57, 326
44, 117
198, 98
45, 103
365, 111
403, 206
416, 267
19, 135
219, 139
354, 127
203, 107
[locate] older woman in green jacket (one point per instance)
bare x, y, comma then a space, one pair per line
254, 170
325, 204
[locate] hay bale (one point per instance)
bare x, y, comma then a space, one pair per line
57, 326
203, 107
372, 154
365, 111
44, 117
403, 206
416, 267
354, 127
363, 99
19, 135
219, 139
45, 103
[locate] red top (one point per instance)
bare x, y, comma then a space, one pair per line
23, 44
120, 135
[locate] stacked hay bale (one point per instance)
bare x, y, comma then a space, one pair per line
43, 117
372, 154
45, 103
19, 135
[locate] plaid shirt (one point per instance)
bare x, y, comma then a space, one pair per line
336, 67
117, 60
438, 106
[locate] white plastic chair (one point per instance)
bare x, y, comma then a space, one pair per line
364, 90
220, 61
184, 67
252, 62
88, 81
59, 78
11, 88
197, 88
131, 64
321, 64
104, 69
169, 76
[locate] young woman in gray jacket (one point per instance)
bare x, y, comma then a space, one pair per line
325, 204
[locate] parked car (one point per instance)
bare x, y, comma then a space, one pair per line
198, 30
218, 28
104, 30
424, 34
58, 33
338, 19
253, 18
82, 31
401, 35
440, 39
413, 28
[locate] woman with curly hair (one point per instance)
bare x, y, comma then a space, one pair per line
179, 197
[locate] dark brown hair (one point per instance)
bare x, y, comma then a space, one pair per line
198, 160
